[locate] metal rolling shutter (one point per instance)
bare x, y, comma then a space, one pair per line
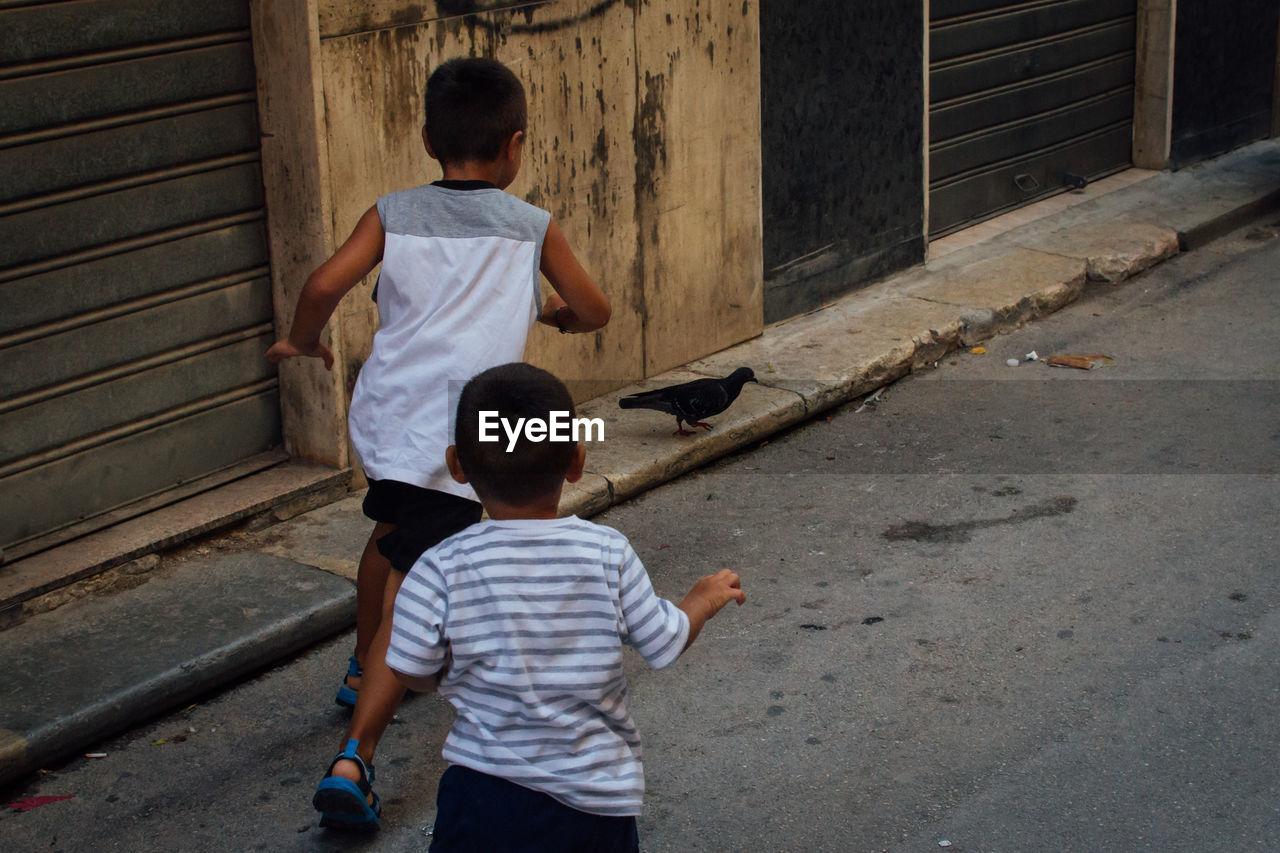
1022, 95
135, 304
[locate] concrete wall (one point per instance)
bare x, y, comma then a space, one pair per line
295, 171
644, 143
1153, 84
843, 88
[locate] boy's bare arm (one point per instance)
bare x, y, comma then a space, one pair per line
325, 288
707, 597
420, 683
578, 304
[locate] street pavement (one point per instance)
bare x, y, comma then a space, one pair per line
1008, 608
286, 587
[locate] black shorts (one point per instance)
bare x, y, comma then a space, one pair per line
422, 518
476, 811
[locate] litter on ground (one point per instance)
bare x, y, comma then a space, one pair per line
870, 401
26, 804
1082, 362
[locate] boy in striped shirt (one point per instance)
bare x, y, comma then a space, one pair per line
521, 620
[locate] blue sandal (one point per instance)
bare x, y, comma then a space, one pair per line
346, 693
344, 804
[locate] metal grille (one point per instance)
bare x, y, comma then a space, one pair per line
1025, 99
135, 303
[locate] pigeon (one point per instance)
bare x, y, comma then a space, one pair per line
692, 401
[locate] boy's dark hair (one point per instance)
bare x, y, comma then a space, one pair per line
474, 105
531, 470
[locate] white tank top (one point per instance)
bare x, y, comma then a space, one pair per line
457, 294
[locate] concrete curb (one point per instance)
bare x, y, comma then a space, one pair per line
26, 752
53, 713
1196, 236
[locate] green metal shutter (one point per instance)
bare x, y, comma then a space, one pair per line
1023, 95
135, 304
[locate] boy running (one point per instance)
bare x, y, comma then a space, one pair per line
457, 293
521, 619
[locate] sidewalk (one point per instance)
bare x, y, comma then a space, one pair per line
100, 665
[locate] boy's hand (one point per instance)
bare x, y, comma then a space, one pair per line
284, 348
715, 591
552, 304
707, 597
325, 288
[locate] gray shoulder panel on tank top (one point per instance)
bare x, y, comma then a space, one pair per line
430, 211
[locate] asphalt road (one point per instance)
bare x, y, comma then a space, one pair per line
1009, 608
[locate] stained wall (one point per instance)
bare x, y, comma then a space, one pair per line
643, 142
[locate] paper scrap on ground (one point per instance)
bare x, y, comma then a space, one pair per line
1083, 362
26, 804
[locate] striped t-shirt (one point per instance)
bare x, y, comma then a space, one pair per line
535, 613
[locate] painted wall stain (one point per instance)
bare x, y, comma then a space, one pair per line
649, 133
601, 150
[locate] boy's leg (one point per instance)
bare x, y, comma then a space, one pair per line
371, 584
423, 518
380, 690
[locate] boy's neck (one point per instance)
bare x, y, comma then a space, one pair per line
546, 507
476, 170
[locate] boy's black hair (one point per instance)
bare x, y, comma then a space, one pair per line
531, 470
474, 105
